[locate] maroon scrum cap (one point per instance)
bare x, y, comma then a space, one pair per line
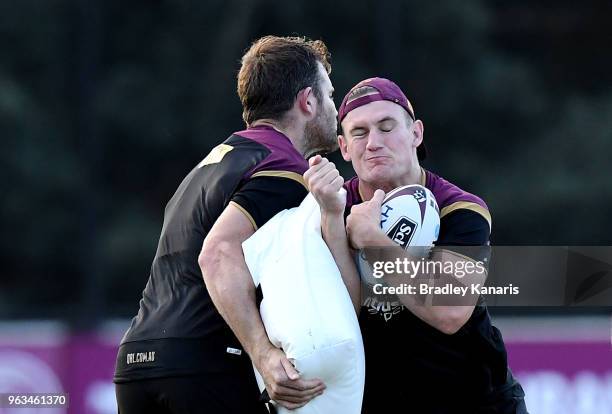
385, 90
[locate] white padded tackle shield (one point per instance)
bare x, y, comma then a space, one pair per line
306, 308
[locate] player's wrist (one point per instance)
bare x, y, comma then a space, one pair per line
332, 216
332, 206
333, 229
261, 352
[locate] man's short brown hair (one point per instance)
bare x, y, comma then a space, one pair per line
274, 70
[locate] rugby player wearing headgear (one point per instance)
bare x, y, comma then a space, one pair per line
188, 348
419, 358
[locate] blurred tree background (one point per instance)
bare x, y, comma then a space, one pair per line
105, 106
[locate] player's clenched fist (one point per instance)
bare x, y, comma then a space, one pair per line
325, 182
363, 224
283, 382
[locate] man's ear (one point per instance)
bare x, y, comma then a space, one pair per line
418, 130
307, 103
342, 143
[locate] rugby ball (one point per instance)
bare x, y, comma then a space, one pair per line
410, 217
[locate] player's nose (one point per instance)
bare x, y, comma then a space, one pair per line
375, 140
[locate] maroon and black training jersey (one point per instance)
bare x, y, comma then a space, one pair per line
413, 367
177, 329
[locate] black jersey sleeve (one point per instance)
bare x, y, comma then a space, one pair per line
262, 197
462, 230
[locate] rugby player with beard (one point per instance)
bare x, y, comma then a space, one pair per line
189, 348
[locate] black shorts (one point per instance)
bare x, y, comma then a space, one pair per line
204, 393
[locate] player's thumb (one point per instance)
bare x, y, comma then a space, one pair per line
290, 370
378, 198
312, 161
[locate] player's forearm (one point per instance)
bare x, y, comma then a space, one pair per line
334, 234
447, 319
232, 291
